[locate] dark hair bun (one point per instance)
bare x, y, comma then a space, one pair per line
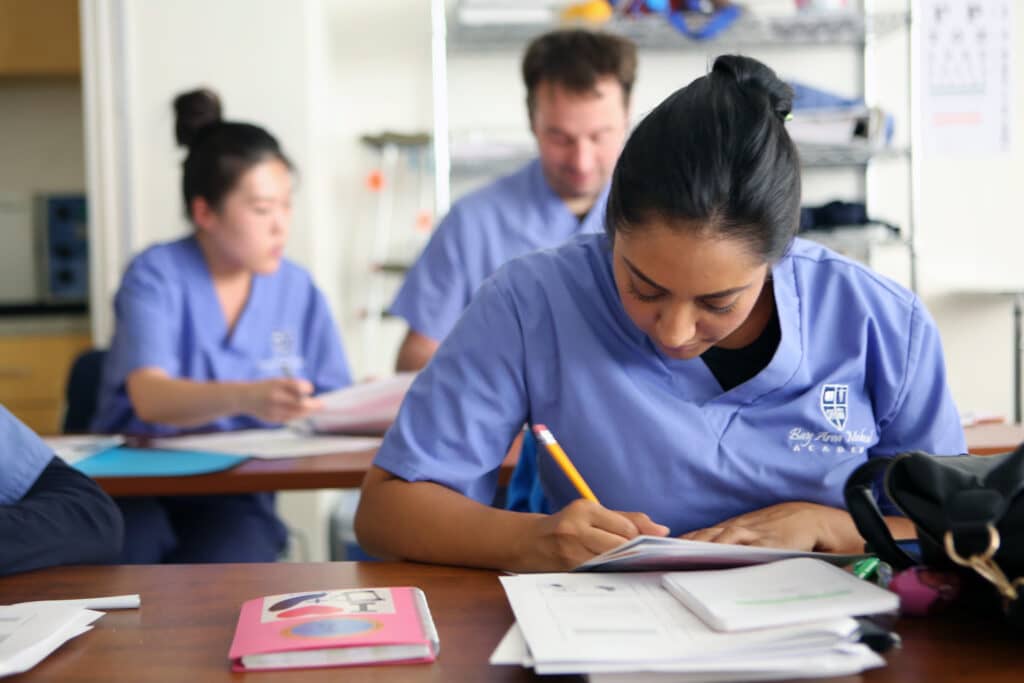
752, 75
193, 111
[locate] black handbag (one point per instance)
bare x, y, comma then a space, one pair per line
968, 511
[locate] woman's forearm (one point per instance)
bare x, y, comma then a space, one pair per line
165, 400
428, 522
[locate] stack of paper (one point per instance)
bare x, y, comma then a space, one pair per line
72, 448
30, 632
267, 444
788, 619
367, 408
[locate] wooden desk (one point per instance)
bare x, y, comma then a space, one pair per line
990, 439
184, 628
346, 470
342, 471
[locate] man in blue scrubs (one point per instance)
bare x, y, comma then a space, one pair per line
50, 514
709, 375
578, 88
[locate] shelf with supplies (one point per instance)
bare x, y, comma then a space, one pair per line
811, 156
399, 181
856, 241
850, 131
470, 30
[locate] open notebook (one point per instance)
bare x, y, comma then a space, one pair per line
656, 553
776, 594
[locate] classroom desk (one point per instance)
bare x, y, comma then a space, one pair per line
990, 439
184, 628
346, 470
341, 470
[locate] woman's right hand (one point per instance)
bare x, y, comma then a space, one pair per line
580, 531
279, 399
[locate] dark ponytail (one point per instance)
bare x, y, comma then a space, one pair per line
219, 152
717, 153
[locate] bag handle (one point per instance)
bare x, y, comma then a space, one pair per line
863, 508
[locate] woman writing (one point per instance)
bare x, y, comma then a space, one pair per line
709, 375
215, 332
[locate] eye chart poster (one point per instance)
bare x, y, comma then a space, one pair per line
966, 81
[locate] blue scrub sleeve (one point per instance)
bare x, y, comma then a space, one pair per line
23, 455
465, 408
437, 288
923, 415
148, 323
325, 356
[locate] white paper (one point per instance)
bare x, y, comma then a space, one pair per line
71, 449
576, 622
29, 634
842, 661
777, 594
512, 650
966, 56
652, 553
268, 444
367, 408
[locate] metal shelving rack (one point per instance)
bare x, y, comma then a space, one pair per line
652, 32
854, 30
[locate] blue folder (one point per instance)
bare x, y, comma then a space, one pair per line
150, 462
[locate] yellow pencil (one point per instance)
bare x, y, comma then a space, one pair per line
546, 438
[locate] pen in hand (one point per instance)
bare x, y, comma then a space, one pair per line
545, 437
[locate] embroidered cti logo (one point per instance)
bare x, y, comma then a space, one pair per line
834, 404
282, 343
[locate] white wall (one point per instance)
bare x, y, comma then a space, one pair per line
972, 236
376, 77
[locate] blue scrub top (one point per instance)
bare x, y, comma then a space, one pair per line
513, 216
23, 457
858, 373
169, 317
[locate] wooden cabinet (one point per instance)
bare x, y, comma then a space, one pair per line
33, 374
39, 38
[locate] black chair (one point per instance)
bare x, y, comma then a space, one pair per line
82, 391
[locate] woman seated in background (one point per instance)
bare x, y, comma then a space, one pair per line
50, 514
709, 375
217, 331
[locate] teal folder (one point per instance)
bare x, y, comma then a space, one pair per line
147, 462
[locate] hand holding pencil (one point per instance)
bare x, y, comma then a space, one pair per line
584, 528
